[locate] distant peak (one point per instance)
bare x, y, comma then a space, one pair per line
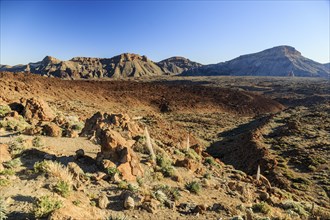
177, 58
50, 59
284, 50
131, 57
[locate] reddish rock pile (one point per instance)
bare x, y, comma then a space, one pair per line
114, 133
37, 109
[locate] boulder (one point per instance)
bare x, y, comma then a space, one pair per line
151, 206
130, 165
33, 130
108, 164
190, 164
4, 153
106, 128
129, 203
52, 130
100, 121
110, 142
197, 148
103, 201
75, 170
79, 153
37, 109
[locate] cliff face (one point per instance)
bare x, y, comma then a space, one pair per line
277, 61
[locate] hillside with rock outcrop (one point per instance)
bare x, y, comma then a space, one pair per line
177, 65
124, 65
217, 148
121, 66
277, 61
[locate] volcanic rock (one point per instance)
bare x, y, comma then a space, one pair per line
114, 146
37, 109
52, 130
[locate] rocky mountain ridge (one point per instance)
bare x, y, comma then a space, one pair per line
276, 61
124, 65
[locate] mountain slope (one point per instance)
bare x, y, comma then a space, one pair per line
124, 65
277, 61
177, 65
327, 65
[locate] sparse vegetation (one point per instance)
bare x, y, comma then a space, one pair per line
3, 209
16, 147
14, 163
165, 165
4, 182
58, 171
45, 205
118, 217
296, 207
40, 166
190, 153
76, 202
7, 172
36, 142
207, 175
132, 187
261, 207
123, 185
171, 193
14, 124
297, 161
211, 161
112, 171
193, 187
4, 109
63, 188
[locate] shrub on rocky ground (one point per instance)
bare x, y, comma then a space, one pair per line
45, 205
261, 207
171, 193
3, 209
36, 142
165, 165
63, 188
14, 123
118, 217
4, 110
4, 182
14, 163
193, 187
190, 153
16, 147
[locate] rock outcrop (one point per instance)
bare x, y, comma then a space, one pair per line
37, 109
277, 61
114, 133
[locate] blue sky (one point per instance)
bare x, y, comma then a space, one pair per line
203, 31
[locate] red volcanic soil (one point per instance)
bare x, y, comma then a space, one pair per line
134, 96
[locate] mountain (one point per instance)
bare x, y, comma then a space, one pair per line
277, 61
177, 65
327, 65
124, 65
